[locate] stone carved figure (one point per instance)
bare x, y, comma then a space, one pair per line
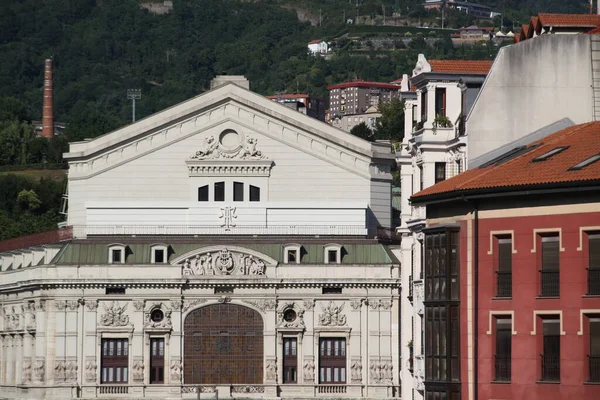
387, 371
263, 305
271, 369
175, 371
60, 371
374, 371
39, 371
225, 262
90, 370
381, 371
356, 370
249, 149
71, 371
212, 149
332, 315
114, 315
138, 371
27, 370
138, 305
309, 371
91, 305
208, 146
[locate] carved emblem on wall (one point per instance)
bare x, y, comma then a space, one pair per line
90, 370
309, 304
271, 368
191, 303
71, 371
308, 370
91, 305
356, 370
72, 305
60, 371
138, 370
332, 315
27, 370
175, 371
39, 371
164, 322
263, 305
356, 304
114, 315
290, 316
60, 305
247, 389
176, 305
138, 305
223, 262
230, 145
380, 371
228, 215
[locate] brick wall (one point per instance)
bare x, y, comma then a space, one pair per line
37, 239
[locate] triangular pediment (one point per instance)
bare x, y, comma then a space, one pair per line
224, 261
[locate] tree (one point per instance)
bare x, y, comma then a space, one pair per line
362, 131
390, 126
28, 200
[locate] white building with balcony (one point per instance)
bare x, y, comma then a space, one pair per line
433, 149
225, 246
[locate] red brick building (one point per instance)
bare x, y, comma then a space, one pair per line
512, 274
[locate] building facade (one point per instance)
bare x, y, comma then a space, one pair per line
356, 97
225, 246
303, 103
433, 149
512, 274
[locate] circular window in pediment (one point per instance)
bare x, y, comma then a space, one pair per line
230, 140
289, 315
157, 316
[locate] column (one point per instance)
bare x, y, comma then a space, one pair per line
71, 341
39, 353
90, 354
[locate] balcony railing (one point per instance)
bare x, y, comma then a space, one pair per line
594, 368
504, 284
503, 368
593, 281
550, 283
550, 368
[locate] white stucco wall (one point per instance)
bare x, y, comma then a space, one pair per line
532, 84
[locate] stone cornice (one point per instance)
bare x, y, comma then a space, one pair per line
229, 167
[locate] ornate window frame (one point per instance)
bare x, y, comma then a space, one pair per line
332, 247
292, 247
159, 246
117, 246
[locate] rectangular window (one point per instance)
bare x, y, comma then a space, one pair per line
220, 191
224, 290
332, 360
292, 256
115, 290
551, 350
159, 256
238, 191
114, 362
421, 177
332, 256
440, 171
504, 268
254, 193
550, 266
290, 360
594, 264
117, 256
157, 361
440, 102
424, 105
203, 193
594, 356
502, 358
332, 290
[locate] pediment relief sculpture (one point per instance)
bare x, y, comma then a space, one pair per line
229, 145
224, 261
114, 315
332, 315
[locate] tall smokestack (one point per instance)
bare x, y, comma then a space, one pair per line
48, 111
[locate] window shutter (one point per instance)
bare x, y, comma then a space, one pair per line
505, 255
550, 255
594, 245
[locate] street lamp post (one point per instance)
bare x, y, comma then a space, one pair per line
133, 95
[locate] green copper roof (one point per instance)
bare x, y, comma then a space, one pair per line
90, 252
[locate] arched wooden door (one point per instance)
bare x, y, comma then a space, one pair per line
223, 344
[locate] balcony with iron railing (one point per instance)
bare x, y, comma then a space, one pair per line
550, 368
503, 284
594, 369
593, 281
550, 283
502, 367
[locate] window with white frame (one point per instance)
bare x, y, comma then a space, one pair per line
159, 254
333, 254
116, 254
292, 253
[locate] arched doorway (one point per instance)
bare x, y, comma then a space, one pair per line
223, 344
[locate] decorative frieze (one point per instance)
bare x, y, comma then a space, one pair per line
90, 370
332, 315
223, 262
198, 389
380, 371
114, 315
263, 305
247, 389
308, 370
187, 304
39, 370
356, 370
175, 369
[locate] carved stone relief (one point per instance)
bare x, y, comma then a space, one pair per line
191, 303
138, 305
247, 389
91, 305
230, 145
356, 370
27, 370
332, 315
39, 370
165, 323
380, 371
223, 262
60, 305
175, 369
72, 305
114, 315
176, 305
271, 370
379, 304
309, 304
60, 371
356, 304
40, 305
71, 371
12, 318
308, 370
90, 370
138, 371
262, 305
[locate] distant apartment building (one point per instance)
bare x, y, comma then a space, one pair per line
347, 122
303, 103
472, 34
356, 97
476, 10
546, 23
318, 47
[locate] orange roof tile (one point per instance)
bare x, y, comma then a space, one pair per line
595, 31
583, 142
570, 20
461, 66
524, 31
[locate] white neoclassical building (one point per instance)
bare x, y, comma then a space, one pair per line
433, 149
225, 246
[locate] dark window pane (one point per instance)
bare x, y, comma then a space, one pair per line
220, 191
440, 171
116, 256
238, 191
291, 256
332, 256
203, 193
159, 256
550, 253
254, 193
594, 245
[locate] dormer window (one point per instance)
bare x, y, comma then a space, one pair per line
203, 193
292, 254
116, 254
333, 254
159, 254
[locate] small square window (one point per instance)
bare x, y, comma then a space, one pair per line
292, 256
332, 290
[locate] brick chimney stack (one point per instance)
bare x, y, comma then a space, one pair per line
48, 111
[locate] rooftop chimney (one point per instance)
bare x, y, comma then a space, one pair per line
48, 111
221, 80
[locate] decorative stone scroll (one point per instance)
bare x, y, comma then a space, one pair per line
263, 305
224, 261
230, 145
332, 315
114, 315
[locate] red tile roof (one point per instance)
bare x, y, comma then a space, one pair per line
569, 20
314, 41
461, 66
595, 31
515, 174
289, 96
367, 84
